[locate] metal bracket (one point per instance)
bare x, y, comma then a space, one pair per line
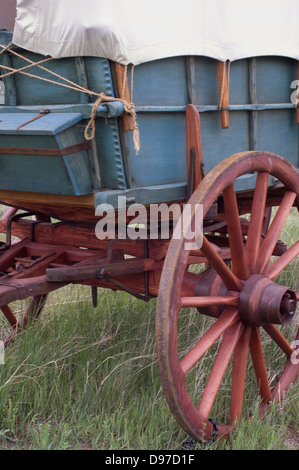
11, 219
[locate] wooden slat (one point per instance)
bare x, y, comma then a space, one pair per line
194, 147
223, 93
124, 94
44, 198
46, 152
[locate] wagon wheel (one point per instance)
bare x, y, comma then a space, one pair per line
243, 301
34, 308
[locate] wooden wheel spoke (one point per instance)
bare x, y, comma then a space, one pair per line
225, 321
259, 365
279, 339
34, 308
239, 262
228, 277
239, 374
274, 231
225, 352
209, 301
256, 220
282, 262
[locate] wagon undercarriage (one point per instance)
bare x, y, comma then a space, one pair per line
235, 285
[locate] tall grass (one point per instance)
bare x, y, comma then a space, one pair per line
87, 378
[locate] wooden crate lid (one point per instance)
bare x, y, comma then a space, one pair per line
48, 124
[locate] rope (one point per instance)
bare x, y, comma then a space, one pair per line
4, 49
23, 68
75, 86
90, 128
89, 132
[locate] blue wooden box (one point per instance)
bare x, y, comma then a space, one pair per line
47, 154
25, 94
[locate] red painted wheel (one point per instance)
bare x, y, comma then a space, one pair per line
204, 372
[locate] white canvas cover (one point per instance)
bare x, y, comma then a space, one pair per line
137, 31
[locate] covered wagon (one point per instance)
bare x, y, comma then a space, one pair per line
186, 111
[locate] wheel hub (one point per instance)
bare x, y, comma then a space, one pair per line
263, 302
210, 284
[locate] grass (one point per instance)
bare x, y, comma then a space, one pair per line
87, 378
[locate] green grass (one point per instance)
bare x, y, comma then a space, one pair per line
85, 378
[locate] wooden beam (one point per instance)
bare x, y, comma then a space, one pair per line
43, 198
124, 94
194, 148
223, 93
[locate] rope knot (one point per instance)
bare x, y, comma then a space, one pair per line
129, 108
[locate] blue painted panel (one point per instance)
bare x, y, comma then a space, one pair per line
206, 82
110, 154
162, 157
98, 74
146, 195
45, 175
274, 78
282, 138
218, 143
69, 174
162, 131
160, 82
239, 82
